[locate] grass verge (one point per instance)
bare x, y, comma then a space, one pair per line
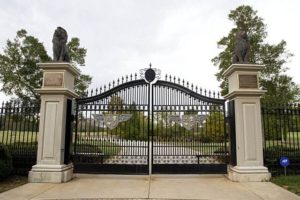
291, 183
12, 182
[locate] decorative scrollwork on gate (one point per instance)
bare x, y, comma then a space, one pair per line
187, 121
150, 74
111, 121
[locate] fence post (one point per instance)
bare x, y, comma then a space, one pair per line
56, 92
245, 92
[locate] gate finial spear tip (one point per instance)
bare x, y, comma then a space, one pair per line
150, 65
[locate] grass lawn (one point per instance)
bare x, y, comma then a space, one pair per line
291, 183
292, 140
205, 148
8, 136
12, 182
108, 148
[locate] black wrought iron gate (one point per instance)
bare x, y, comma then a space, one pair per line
146, 125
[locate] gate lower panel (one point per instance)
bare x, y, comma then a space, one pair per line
189, 169
110, 168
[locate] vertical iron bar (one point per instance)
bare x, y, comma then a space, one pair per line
12, 112
2, 124
30, 125
76, 130
5, 126
15, 125
149, 102
18, 127
297, 112
23, 127
225, 132
81, 136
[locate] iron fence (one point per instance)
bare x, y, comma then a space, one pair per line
18, 131
281, 128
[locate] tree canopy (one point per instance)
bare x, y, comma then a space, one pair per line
19, 73
274, 56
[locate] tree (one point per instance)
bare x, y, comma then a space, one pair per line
213, 128
19, 73
116, 105
132, 129
137, 124
77, 56
274, 56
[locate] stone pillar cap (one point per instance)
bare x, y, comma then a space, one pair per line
245, 93
242, 67
60, 65
57, 91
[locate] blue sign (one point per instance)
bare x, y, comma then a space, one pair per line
284, 161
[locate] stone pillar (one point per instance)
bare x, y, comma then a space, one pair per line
244, 90
57, 89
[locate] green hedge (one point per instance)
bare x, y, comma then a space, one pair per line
6, 166
272, 157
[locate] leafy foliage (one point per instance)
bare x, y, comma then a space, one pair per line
164, 128
19, 72
214, 127
116, 105
274, 56
136, 127
77, 56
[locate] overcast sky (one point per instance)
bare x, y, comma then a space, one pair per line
122, 36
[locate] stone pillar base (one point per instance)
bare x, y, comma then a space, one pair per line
248, 174
42, 173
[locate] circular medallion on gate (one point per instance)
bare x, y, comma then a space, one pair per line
150, 75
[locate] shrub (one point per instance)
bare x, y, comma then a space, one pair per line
278, 151
6, 165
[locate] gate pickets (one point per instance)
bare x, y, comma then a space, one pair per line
147, 126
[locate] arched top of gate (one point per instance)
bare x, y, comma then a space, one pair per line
112, 89
151, 76
203, 95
